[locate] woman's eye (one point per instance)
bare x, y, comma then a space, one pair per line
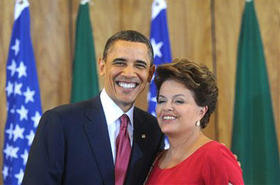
160, 101
179, 101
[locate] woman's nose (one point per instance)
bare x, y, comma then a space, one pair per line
168, 106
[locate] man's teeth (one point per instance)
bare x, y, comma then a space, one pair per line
168, 117
127, 85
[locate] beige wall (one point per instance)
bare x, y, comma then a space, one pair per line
193, 34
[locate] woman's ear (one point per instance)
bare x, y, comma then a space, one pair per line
203, 111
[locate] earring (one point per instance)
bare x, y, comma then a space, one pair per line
197, 124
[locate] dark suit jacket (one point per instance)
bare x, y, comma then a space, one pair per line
72, 147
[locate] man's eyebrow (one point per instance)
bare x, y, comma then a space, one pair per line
119, 59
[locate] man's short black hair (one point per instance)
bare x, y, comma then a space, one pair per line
129, 35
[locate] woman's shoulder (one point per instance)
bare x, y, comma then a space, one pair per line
221, 163
216, 153
215, 146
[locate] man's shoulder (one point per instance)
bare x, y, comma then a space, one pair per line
68, 114
76, 107
145, 120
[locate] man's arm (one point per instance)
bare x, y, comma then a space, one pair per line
45, 162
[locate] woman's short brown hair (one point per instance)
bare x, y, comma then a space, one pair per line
197, 78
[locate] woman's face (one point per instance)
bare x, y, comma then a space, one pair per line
177, 111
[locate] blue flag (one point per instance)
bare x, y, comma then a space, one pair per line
160, 42
161, 47
23, 98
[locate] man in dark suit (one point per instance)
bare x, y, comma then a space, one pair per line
75, 144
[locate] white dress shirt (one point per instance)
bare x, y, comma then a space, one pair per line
112, 114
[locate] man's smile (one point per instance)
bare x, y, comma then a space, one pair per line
127, 85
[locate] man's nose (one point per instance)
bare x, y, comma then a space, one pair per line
129, 70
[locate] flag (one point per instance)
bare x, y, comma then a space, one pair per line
161, 46
23, 98
159, 38
85, 80
254, 138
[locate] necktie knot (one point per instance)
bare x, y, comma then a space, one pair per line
124, 121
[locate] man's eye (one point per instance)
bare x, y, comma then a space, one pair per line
119, 63
141, 66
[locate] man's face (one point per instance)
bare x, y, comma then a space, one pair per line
126, 71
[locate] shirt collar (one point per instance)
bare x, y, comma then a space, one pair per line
112, 111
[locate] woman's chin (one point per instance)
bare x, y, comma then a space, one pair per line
168, 131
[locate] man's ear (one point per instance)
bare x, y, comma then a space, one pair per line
151, 72
101, 66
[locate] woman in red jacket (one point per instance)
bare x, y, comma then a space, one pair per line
187, 95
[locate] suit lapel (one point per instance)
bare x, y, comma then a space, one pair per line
138, 143
98, 137
136, 153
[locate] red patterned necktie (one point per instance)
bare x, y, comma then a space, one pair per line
123, 151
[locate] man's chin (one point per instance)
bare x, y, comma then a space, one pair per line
128, 95
127, 101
